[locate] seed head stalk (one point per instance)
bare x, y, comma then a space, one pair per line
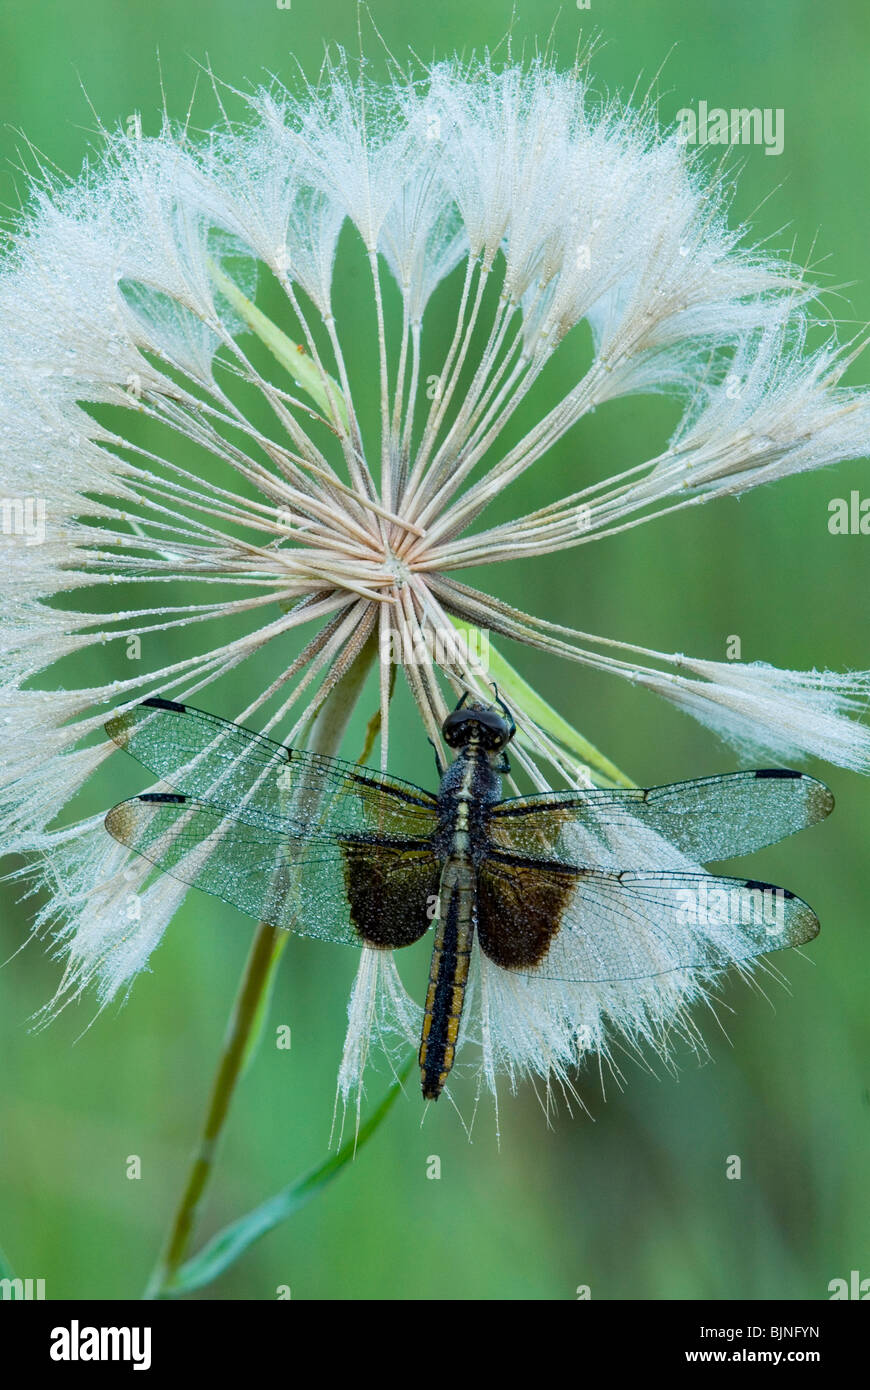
268, 943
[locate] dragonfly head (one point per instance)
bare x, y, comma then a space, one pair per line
473, 721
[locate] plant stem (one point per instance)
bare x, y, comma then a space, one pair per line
223, 1087
326, 735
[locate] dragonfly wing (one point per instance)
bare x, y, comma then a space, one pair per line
553, 922
263, 782
707, 819
353, 889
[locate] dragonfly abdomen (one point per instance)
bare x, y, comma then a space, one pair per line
448, 974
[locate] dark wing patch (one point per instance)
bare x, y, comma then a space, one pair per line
613, 927
707, 819
263, 782
300, 884
389, 890
520, 906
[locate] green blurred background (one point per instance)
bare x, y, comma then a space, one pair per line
631, 1199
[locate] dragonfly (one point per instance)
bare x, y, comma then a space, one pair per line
586, 885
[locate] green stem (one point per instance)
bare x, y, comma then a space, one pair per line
326, 735
245, 1008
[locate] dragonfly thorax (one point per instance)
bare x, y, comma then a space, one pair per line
472, 781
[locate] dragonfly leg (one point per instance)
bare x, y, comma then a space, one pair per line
439, 765
503, 707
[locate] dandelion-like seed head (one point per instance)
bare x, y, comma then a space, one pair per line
178, 458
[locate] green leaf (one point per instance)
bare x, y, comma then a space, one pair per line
517, 690
291, 355
225, 1248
